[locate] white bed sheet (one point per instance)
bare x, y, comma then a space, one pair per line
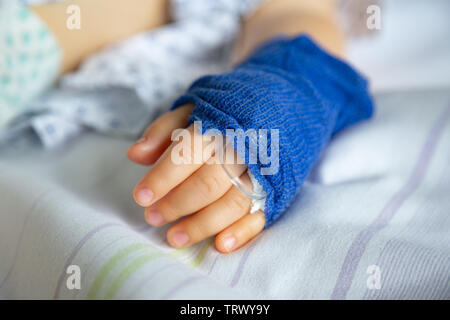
376, 207
378, 198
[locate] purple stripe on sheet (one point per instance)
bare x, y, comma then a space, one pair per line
180, 286
357, 248
240, 268
22, 233
77, 248
410, 269
214, 263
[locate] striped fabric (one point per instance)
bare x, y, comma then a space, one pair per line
370, 223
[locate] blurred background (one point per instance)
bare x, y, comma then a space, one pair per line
412, 48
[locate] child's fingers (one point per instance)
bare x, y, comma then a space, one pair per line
168, 171
240, 232
212, 219
202, 188
156, 137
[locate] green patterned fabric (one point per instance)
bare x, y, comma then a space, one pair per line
29, 58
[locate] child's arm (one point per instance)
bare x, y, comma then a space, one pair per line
102, 22
106, 21
291, 17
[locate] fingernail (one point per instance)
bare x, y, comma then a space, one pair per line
144, 144
154, 218
144, 197
180, 238
228, 243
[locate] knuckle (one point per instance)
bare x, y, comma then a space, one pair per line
236, 201
196, 230
208, 185
159, 125
249, 229
168, 211
254, 225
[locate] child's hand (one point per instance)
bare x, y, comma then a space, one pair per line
202, 193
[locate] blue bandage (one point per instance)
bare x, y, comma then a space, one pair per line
291, 85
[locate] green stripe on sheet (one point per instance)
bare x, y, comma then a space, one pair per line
198, 259
128, 271
110, 264
180, 253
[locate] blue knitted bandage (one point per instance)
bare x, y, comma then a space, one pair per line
291, 85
